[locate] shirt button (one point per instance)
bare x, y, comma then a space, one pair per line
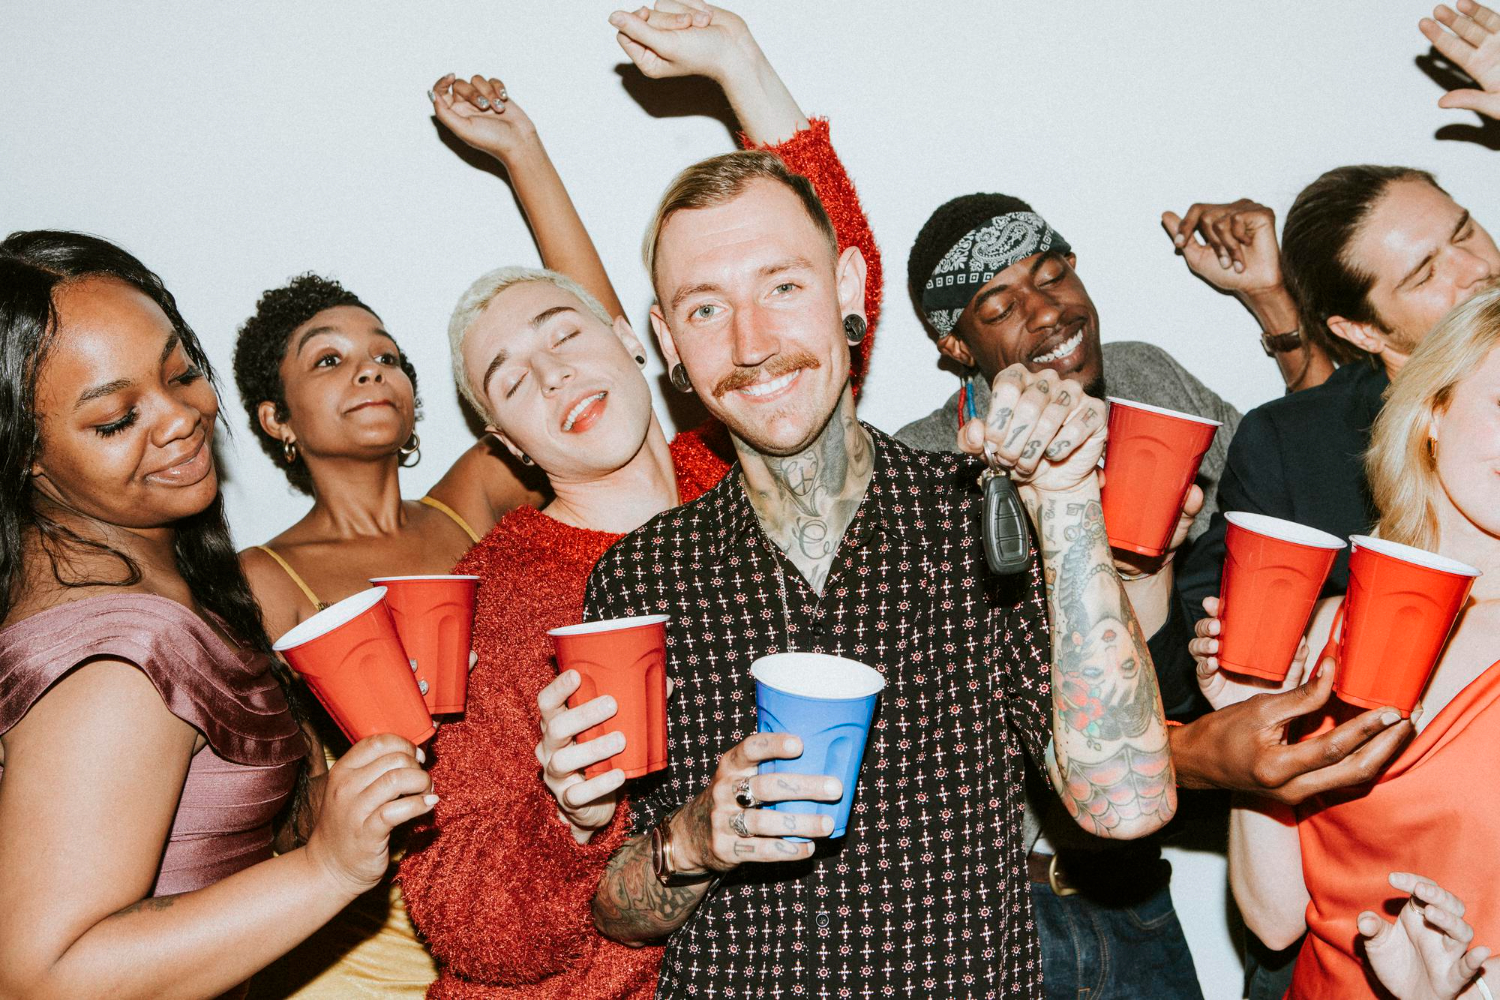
822, 920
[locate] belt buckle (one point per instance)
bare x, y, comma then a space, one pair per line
1059, 888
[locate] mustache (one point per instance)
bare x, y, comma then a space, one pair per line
778, 366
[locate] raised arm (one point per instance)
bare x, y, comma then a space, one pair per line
79, 855
1109, 760
481, 112
1233, 248
1472, 43
723, 50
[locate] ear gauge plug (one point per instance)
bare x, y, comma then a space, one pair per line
640, 359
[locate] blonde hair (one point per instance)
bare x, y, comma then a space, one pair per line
1399, 465
720, 179
477, 297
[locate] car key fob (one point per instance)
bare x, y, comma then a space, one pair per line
1007, 535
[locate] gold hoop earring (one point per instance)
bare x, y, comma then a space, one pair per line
411, 448
289, 451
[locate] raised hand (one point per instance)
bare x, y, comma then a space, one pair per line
1222, 688
481, 113
374, 788
586, 804
1425, 953
683, 38
1047, 434
716, 831
1237, 252
1243, 746
1472, 43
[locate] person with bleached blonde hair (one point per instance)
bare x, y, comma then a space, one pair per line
1424, 826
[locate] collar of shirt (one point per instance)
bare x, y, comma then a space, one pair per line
734, 515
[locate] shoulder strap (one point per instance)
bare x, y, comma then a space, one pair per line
301, 584
437, 504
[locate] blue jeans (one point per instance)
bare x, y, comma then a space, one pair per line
1096, 952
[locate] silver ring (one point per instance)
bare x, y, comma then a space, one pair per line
737, 824
744, 796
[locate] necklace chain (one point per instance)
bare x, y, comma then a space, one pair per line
786, 618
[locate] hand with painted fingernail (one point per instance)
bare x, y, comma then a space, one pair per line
479, 111
374, 788
1222, 687
1427, 952
585, 804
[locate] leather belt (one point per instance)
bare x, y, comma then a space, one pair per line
1044, 868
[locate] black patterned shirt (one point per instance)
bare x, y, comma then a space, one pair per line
926, 895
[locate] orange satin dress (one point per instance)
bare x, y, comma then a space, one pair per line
1435, 812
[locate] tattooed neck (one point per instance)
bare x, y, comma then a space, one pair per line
806, 501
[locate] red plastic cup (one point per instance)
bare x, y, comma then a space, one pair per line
627, 659
1149, 466
351, 657
1273, 573
434, 617
1401, 605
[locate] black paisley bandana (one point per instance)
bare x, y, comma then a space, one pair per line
982, 253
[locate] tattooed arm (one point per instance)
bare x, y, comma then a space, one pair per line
713, 833
1109, 760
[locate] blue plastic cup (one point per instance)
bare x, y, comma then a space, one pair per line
828, 702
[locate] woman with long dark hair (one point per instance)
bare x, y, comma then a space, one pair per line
146, 740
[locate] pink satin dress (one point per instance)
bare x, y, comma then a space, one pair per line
238, 782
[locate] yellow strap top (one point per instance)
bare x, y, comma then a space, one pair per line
437, 504
301, 584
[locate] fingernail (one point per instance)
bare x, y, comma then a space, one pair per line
432, 97
616, 18
504, 95
1179, 239
1238, 266
421, 756
1223, 261
430, 800
832, 787
1390, 718
483, 103
422, 686
827, 825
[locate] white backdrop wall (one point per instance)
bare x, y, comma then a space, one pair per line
231, 146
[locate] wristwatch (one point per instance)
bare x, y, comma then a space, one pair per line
1280, 343
661, 859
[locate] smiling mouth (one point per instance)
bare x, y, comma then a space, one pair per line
1061, 350
190, 470
371, 402
581, 407
769, 388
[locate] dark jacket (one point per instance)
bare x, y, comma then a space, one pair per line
1300, 457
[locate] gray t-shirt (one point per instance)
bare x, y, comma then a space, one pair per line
1132, 370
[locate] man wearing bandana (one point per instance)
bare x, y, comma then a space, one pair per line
996, 285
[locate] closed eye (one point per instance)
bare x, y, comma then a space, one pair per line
567, 337
116, 426
193, 374
514, 386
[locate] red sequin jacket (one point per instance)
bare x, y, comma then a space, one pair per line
495, 881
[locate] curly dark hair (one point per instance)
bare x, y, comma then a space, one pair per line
261, 346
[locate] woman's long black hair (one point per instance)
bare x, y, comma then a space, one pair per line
33, 266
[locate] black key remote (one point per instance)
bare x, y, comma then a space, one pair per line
1007, 535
